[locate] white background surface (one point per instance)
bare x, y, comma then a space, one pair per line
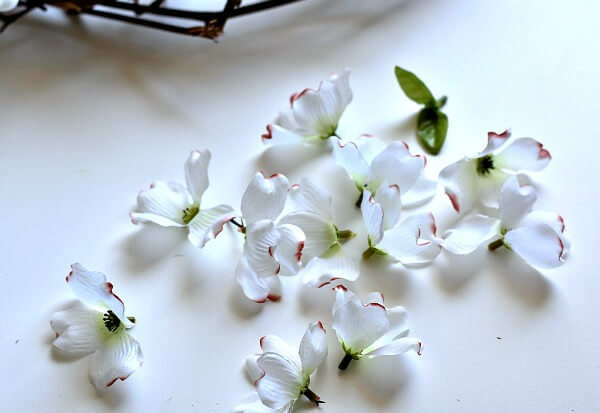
91, 112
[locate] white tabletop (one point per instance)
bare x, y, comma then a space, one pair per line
93, 111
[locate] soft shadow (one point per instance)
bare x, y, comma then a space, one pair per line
241, 305
315, 302
149, 245
403, 130
114, 397
453, 272
380, 273
288, 158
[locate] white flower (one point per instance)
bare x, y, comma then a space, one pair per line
370, 329
370, 164
481, 177
98, 325
170, 204
323, 253
313, 115
411, 242
281, 374
538, 237
270, 249
8, 5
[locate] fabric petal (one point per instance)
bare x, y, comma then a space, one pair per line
274, 344
398, 346
208, 223
277, 135
388, 196
357, 326
320, 233
261, 239
310, 197
348, 157
461, 184
257, 288
553, 220
334, 265
196, 173
515, 202
118, 358
288, 251
94, 291
372, 213
398, 327
397, 166
538, 245
523, 154
490, 187
251, 364
251, 403
282, 381
470, 233
264, 198
77, 330
164, 204
313, 348
421, 192
495, 142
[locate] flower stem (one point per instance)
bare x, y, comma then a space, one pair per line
496, 244
344, 235
359, 200
312, 396
367, 253
345, 361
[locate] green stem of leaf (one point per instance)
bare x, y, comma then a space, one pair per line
367, 253
496, 244
345, 362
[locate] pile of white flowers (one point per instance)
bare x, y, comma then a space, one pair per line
309, 242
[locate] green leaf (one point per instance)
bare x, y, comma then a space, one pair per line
414, 88
432, 126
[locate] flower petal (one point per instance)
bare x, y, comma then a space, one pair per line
261, 239
313, 348
320, 233
282, 381
208, 223
118, 358
413, 241
398, 346
288, 251
254, 372
515, 202
421, 192
523, 154
77, 330
495, 142
461, 184
398, 327
372, 213
163, 204
470, 233
251, 403
348, 157
397, 166
276, 135
388, 196
538, 245
94, 291
264, 198
334, 265
8, 5
310, 197
256, 288
490, 187
274, 344
196, 173
357, 326
554, 221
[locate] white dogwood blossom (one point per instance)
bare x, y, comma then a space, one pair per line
480, 177
281, 374
98, 326
369, 329
323, 253
170, 204
313, 115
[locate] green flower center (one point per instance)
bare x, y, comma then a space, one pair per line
485, 165
189, 213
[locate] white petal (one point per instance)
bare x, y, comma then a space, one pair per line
388, 196
254, 372
348, 157
282, 381
553, 220
398, 327
421, 192
8, 5
78, 330
356, 325
118, 358
369, 147
515, 202
523, 154
413, 241
373, 297
310, 197
258, 289
334, 265
94, 291
313, 348
538, 245
276, 135
398, 346
163, 204
490, 187
320, 233
397, 166
251, 403
372, 213
461, 184
288, 251
264, 198
208, 223
274, 344
196, 173
261, 239
495, 142
470, 233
